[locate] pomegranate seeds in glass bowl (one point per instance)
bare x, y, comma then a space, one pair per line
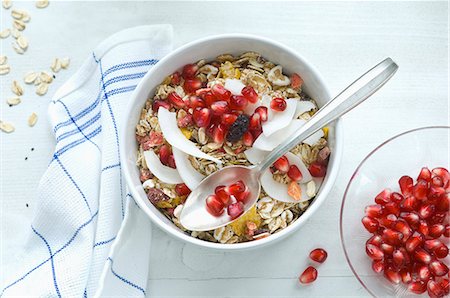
395, 213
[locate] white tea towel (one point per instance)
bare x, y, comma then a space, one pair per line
83, 207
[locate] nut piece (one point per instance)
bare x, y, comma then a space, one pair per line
56, 65
3, 59
22, 42
32, 119
6, 4
41, 89
46, 77
65, 62
30, 77
6, 127
16, 88
4, 69
42, 3
19, 25
311, 189
5, 33
12, 101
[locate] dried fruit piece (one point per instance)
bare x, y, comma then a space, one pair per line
294, 190
308, 276
239, 226
238, 128
294, 173
296, 81
156, 196
319, 255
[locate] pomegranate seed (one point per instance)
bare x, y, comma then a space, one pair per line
383, 197
214, 205
317, 170
255, 122
432, 244
235, 210
403, 227
319, 255
164, 153
398, 258
445, 285
209, 98
396, 197
247, 139
238, 102
411, 218
387, 248
405, 254
392, 276
202, 117
377, 266
447, 231
160, 103
374, 252
413, 242
438, 268
426, 210
256, 133
219, 134
422, 255
392, 237
182, 189
185, 121
423, 273
423, 228
437, 181
435, 192
196, 102
441, 251
278, 104
294, 173
406, 276
438, 217
417, 287
388, 221
250, 94
282, 164
191, 85
308, 276
442, 173
443, 203
189, 71
392, 208
176, 100
410, 203
375, 240
228, 119
374, 211
242, 197
420, 190
171, 162
176, 78
144, 175
236, 188
296, 81
221, 193
220, 92
370, 224
436, 230
406, 185
263, 113
220, 107
294, 190
434, 289
425, 174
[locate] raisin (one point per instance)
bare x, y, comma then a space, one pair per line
156, 195
238, 128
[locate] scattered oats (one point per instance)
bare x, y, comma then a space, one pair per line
16, 88
5, 33
13, 100
37, 82
41, 89
311, 189
56, 65
46, 77
4, 69
26, 17
30, 77
6, 4
3, 59
19, 25
18, 14
6, 127
22, 42
65, 62
17, 48
15, 33
42, 3
32, 119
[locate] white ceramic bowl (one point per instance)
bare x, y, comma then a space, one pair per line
209, 48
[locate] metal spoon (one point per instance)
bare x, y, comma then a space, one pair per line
194, 215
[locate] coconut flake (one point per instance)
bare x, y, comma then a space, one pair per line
266, 143
255, 155
188, 173
164, 173
234, 86
279, 191
296, 160
303, 107
174, 136
279, 120
314, 138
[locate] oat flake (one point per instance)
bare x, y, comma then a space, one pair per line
65, 62
13, 101
19, 25
4, 69
32, 119
41, 89
3, 59
22, 42
6, 4
6, 127
17, 48
30, 77
42, 3
16, 88
5, 33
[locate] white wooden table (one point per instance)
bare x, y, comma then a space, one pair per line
343, 39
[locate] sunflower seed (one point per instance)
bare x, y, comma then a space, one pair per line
19, 25
17, 48
42, 3
311, 189
12, 101
16, 88
30, 77
6, 4
6, 127
4, 69
41, 89
3, 59
56, 65
32, 119
65, 62
45, 77
22, 42
5, 33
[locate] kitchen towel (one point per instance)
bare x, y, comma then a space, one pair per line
88, 237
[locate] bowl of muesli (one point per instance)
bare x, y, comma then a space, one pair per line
229, 100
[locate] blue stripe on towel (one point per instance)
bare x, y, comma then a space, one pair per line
123, 279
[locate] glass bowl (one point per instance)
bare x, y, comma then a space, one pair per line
404, 154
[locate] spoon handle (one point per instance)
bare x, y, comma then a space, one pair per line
353, 95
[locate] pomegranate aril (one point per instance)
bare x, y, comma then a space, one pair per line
220, 92
406, 185
406, 276
175, 79
235, 210
392, 208
411, 218
417, 287
378, 266
294, 190
191, 85
370, 224
447, 231
374, 252
420, 190
423, 272
393, 276
413, 242
189, 71
436, 230
164, 153
410, 203
185, 121
434, 289
426, 210
220, 107
422, 256
438, 217
443, 174
392, 237
444, 283
278, 104
171, 162
435, 192
425, 174
383, 197
308, 276
317, 169
160, 103
236, 188
196, 102
398, 258
441, 251
282, 164
437, 181
202, 117
250, 94
374, 211
214, 205
387, 248
405, 254
319, 255
242, 197
388, 221
438, 268
294, 173
296, 81
255, 122
404, 228
432, 244
443, 202
219, 134
182, 189
423, 228
263, 113
238, 102
176, 100
375, 240
396, 197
